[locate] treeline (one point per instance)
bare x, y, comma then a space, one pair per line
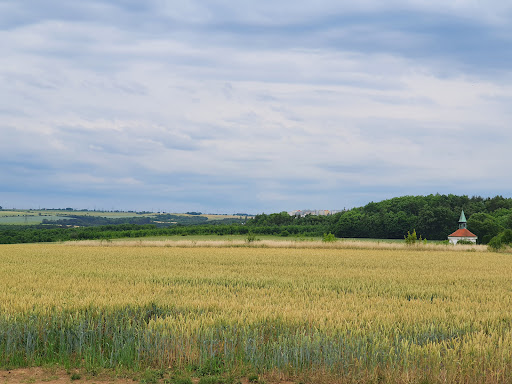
35, 234
433, 217
10, 234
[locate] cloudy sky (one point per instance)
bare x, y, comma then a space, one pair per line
254, 106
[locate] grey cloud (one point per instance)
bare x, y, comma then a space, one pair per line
270, 107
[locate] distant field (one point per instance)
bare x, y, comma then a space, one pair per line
27, 219
221, 217
405, 315
211, 217
8, 213
113, 215
20, 217
16, 213
36, 216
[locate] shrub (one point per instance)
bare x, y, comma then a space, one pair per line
328, 238
495, 244
465, 242
250, 237
501, 240
411, 238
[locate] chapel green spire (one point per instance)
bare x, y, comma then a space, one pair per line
462, 220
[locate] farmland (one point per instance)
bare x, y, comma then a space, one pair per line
305, 314
30, 217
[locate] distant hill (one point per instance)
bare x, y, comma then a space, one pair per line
433, 217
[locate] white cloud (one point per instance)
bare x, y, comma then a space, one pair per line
91, 106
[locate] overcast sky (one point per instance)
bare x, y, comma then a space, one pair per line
253, 106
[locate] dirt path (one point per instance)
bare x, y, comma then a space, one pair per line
38, 375
54, 376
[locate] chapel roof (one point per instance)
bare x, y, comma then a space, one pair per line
463, 232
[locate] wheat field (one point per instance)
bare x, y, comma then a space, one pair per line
341, 314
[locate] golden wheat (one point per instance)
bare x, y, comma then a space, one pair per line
334, 310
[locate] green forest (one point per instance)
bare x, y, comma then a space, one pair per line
433, 217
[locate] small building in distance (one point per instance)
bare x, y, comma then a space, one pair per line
462, 233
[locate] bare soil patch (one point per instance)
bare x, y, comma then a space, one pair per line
36, 375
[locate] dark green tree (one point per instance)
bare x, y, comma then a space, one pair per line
484, 226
